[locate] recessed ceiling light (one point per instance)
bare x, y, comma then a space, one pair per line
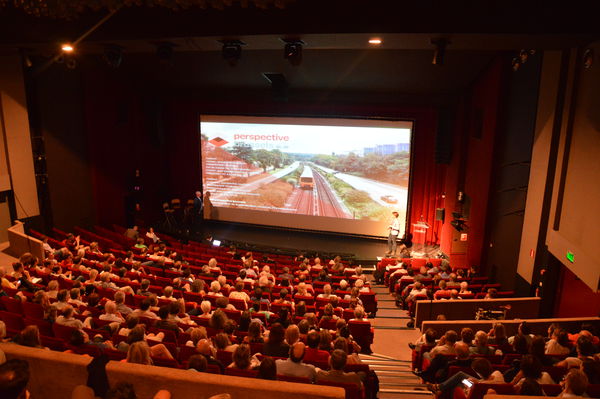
376, 41
67, 48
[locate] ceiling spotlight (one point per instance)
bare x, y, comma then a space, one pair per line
232, 51
71, 62
67, 48
164, 51
524, 55
439, 51
293, 51
113, 55
515, 64
588, 58
376, 41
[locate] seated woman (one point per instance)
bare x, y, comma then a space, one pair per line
282, 299
254, 333
559, 344
139, 353
222, 342
531, 367
29, 336
80, 339
326, 292
138, 334
275, 345
342, 344
359, 314
111, 314
242, 359
196, 335
206, 310
328, 315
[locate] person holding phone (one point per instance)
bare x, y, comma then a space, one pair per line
484, 371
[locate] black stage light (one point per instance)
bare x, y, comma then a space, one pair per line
232, 51
439, 51
459, 225
164, 51
292, 51
113, 55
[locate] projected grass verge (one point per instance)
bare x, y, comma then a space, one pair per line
358, 202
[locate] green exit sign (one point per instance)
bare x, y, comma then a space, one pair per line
570, 256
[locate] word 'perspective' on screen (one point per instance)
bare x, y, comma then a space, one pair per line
340, 175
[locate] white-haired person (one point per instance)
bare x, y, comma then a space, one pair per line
360, 284
111, 313
343, 285
214, 266
326, 292
215, 289
205, 307
266, 272
464, 288
359, 314
168, 293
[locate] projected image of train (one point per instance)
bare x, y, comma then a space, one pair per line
307, 181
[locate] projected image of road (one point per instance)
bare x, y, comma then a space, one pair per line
333, 168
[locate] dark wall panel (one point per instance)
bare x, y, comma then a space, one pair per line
512, 157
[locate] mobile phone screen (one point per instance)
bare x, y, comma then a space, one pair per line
467, 383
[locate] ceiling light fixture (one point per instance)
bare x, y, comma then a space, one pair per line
292, 51
67, 48
164, 51
113, 55
439, 51
376, 41
232, 51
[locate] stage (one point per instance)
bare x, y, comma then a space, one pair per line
295, 241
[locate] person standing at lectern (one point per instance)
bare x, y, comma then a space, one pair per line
197, 212
394, 230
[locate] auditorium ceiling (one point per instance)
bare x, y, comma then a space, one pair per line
336, 55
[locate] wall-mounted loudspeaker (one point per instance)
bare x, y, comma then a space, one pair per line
439, 214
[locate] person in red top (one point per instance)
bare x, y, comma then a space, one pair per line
313, 353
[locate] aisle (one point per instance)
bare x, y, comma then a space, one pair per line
391, 355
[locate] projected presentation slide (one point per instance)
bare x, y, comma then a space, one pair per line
342, 175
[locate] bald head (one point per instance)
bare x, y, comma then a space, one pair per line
297, 352
204, 347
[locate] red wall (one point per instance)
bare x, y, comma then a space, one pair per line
575, 298
117, 130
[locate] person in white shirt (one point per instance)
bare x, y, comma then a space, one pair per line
394, 230
152, 235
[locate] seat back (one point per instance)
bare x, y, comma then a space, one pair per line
353, 391
33, 310
479, 390
44, 326
62, 332
11, 305
241, 373
225, 357
14, 322
301, 380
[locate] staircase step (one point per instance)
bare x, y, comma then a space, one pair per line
387, 362
407, 391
